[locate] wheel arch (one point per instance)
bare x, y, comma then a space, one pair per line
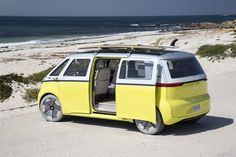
45, 94
157, 110
165, 111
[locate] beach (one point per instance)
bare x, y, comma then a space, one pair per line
27, 58
23, 132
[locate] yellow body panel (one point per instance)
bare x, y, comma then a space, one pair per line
176, 103
136, 102
47, 88
74, 97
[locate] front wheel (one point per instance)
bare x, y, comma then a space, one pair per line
150, 128
50, 108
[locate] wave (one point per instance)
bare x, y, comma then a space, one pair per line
144, 25
134, 25
31, 42
164, 25
150, 25
50, 40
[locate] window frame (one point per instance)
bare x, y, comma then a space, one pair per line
77, 78
54, 69
71, 65
138, 80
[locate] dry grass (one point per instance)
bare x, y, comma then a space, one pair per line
217, 52
31, 94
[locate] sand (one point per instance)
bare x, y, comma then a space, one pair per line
27, 134
23, 132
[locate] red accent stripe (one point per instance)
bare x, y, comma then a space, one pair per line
177, 84
169, 84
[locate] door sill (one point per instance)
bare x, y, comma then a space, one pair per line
105, 112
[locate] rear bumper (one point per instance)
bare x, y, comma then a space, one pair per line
183, 110
172, 121
187, 107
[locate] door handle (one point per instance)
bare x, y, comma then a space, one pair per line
56, 78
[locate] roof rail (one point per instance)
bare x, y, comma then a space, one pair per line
156, 46
126, 47
130, 47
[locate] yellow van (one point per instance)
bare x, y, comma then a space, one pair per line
144, 85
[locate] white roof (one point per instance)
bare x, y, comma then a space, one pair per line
163, 54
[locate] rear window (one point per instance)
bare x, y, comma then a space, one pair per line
184, 67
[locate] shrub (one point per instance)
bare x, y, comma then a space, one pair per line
12, 77
31, 94
5, 91
217, 52
5, 84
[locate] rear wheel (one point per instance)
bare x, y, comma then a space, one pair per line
150, 128
50, 108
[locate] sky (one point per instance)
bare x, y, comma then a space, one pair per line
116, 7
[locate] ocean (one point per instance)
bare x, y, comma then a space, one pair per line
46, 29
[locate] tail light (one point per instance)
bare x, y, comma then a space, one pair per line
176, 84
169, 84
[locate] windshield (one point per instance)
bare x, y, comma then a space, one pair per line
184, 67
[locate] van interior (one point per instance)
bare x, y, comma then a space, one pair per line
104, 84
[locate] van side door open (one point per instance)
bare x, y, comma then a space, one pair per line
136, 89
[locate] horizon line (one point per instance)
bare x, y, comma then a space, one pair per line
117, 15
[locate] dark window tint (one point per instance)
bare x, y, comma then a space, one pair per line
123, 70
113, 64
78, 67
136, 70
58, 70
184, 68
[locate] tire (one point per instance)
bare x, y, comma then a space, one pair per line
149, 128
50, 108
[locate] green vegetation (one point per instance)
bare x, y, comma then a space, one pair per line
7, 80
5, 91
217, 52
31, 94
5, 84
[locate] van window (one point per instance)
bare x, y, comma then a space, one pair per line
58, 70
136, 70
78, 67
184, 67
